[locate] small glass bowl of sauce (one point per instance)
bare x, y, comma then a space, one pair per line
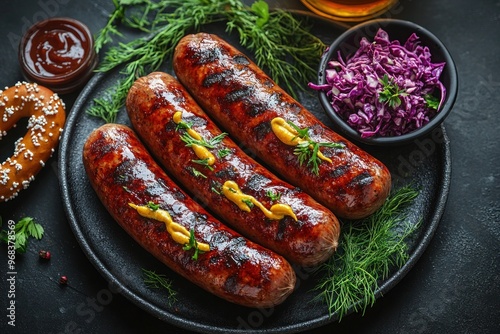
59, 54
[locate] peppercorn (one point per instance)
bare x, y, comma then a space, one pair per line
63, 280
44, 255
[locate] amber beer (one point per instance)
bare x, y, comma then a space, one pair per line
349, 10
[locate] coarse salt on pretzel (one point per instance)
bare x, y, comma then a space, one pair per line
47, 115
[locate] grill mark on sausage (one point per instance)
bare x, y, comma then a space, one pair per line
222, 78
262, 130
282, 224
231, 284
339, 171
239, 258
257, 182
239, 94
254, 107
205, 54
361, 180
225, 174
241, 59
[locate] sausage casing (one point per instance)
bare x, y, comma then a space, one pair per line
152, 103
243, 100
121, 171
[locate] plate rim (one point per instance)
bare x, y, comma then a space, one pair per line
164, 315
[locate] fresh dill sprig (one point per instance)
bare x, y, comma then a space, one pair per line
368, 250
307, 151
105, 34
210, 143
203, 162
158, 281
197, 173
223, 153
279, 41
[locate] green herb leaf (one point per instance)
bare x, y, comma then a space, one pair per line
307, 150
223, 153
203, 162
197, 173
390, 93
274, 196
261, 8
183, 125
193, 244
301, 133
368, 250
286, 48
153, 206
431, 101
158, 281
211, 143
248, 202
23, 230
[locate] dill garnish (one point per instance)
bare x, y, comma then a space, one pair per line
278, 40
368, 250
157, 281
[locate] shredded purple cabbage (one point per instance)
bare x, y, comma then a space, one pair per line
354, 86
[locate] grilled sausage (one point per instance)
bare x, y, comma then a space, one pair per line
244, 101
305, 233
123, 174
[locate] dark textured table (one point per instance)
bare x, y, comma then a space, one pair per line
453, 288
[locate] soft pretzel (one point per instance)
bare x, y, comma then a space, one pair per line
46, 112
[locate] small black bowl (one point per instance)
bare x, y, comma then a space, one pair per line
348, 43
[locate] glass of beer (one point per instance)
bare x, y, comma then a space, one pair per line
349, 10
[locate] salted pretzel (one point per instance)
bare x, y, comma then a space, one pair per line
47, 115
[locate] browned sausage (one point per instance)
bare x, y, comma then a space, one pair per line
243, 100
307, 234
121, 172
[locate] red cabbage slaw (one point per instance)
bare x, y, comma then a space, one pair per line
356, 86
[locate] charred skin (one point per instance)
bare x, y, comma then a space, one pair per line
121, 171
243, 100
151, 104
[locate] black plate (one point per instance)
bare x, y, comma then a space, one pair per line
426, 164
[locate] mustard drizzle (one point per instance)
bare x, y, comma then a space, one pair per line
289, 136
278, 211
201, 152
178, 232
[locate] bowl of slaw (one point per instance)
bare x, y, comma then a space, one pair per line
387, 82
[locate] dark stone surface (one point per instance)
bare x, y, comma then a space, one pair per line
453, 288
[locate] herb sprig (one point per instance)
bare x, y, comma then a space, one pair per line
368, 250
274, 196
210, 143
23, 230
390, 93
308, 150
159, 281
278, 40
193, 244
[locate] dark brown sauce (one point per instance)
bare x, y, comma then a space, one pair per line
58, 53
